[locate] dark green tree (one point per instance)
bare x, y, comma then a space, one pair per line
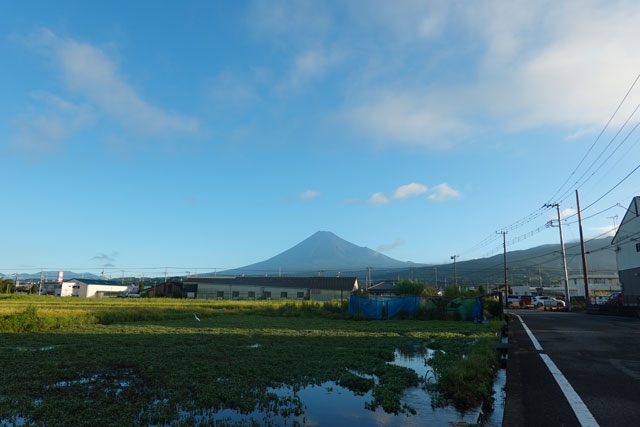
452, 291
409, 287
6, 286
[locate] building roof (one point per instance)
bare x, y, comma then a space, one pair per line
633, 211
315, 282
96, 282
382, 287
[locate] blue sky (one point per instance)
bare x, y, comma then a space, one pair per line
202, 135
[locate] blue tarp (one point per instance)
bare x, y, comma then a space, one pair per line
478, 311
382, 308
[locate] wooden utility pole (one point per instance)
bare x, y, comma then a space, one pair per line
504, 247
455, 271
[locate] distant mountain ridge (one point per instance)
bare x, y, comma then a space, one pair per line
540, 265
326, 254
51, 275
322, 253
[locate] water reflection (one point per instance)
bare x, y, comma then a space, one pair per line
331, 404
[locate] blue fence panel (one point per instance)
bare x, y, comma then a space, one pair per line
406, 305
382, 308
371, 309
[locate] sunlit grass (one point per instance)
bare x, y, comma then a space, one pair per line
112, 361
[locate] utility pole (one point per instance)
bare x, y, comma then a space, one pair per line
455, 271
564, 256
436, 271
584, 254
540, 276
504, 251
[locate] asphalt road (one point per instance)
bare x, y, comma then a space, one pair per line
585, 371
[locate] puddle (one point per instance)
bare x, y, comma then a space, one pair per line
46, 348
331, 404
319, 405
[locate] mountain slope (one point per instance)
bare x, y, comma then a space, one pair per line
540, 264
322, 252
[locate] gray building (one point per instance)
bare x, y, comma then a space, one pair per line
626, 243
248, 288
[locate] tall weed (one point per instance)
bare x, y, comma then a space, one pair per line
24, 321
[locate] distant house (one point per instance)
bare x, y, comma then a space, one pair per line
251, 287
627, 247
384, 288
91, 288
173, 288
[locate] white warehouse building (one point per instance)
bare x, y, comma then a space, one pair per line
91, 288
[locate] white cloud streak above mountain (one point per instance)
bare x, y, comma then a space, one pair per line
521, 65
409, 190
443, 192
87, 71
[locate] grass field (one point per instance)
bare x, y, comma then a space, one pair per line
140, 362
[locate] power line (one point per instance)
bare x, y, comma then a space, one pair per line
595, 167
606, 126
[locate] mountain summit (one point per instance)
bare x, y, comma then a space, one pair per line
322, 252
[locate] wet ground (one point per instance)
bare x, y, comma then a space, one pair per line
331, 404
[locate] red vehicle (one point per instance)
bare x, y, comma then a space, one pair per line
615, 299
525, 301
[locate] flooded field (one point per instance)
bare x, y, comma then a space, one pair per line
331, 404
149, 363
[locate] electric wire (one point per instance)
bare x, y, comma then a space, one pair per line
593, 167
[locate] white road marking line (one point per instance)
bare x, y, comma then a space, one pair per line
579, 408
534, 340
577, 405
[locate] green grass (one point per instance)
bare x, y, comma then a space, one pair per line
72, 362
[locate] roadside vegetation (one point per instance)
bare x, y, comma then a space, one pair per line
73, 362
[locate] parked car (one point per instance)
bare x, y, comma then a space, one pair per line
513, 300
548, 302
525, 301
600, 299
519, 301
128, 295
614, 299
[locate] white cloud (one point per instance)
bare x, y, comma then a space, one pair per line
386, 247
514, 66
309, 195
378, 199
89, 72
409, 190
564, 213
408, 118
106, 260
309, 66
48, 121
239, 91
605, 231
443, 192
311, 63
